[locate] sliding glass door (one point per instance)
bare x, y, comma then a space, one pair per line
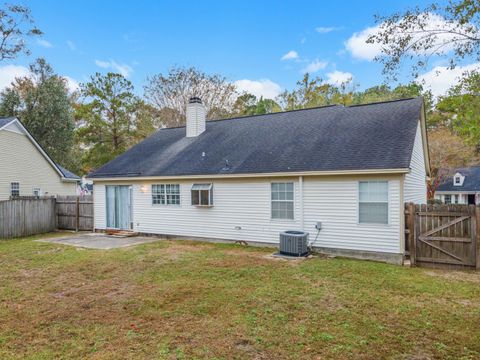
119, 206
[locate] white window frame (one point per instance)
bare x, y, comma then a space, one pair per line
38, 190
282, 201
165, 194
387, 202
458, 180
445, 199
12, 188
199, 187
457, 198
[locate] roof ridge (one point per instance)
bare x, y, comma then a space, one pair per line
256, 115
296, 110
385, 101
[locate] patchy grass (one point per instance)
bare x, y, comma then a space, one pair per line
188, 300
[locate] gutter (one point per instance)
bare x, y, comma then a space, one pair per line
256, 175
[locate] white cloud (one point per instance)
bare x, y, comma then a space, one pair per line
315, 66
8, 73
123, 69
338, 77
44, 43
71, 45
440, 78
360, 49
263, 87
291, 55
326, 30
72, 84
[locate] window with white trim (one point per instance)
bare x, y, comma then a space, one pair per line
202, 194
447, 199
458, 180
373, 202
282, 200
456, 198
37, 192
15, 188
166, 194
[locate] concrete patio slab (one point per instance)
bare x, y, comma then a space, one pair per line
100, 241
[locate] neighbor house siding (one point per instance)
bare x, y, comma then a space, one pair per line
241, 211
415, 180
21, 161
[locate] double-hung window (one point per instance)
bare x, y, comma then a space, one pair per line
373, 202
282, 200
447, 199
15, 189
166, 194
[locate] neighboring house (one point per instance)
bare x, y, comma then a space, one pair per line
461, 188
351, 168
85, 187
26, 169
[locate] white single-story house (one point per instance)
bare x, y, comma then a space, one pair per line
26, 169
351, 168
461, 188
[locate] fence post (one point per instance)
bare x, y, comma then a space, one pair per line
77, 214
477, 243
411, 232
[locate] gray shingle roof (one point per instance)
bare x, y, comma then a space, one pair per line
67, 173
373, 136
5, 120
471, 182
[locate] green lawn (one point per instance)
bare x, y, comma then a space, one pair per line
188, 300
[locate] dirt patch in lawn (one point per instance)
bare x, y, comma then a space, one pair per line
469, 275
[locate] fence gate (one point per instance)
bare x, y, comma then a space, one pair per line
75, 212
443, 235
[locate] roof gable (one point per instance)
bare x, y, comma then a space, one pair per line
14, 125
469, 180
366, 137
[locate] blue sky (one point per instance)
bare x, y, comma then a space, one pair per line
242, 40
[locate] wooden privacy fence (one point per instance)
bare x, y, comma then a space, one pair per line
75, 212
444, 236
31, 215
24, 217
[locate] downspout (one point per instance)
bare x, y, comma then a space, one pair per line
300, 203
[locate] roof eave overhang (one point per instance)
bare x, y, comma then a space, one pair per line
258, 175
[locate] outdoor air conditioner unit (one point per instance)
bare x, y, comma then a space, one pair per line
294, 243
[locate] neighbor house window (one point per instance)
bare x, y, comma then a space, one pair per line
282, 200
202, 195
447, 199
456, 199
15, 189
166, 194
37, 192
457, 180
373, 202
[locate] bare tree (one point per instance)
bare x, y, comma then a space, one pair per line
16, 23
451, 31
170, 93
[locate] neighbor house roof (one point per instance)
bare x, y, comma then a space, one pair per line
5, 120
67, 173
332, 138
470, 183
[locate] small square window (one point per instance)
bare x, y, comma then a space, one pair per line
37, 192
202, 195
15, 189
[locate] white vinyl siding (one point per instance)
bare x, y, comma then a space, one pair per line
415, 181
242, 211
20, 161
